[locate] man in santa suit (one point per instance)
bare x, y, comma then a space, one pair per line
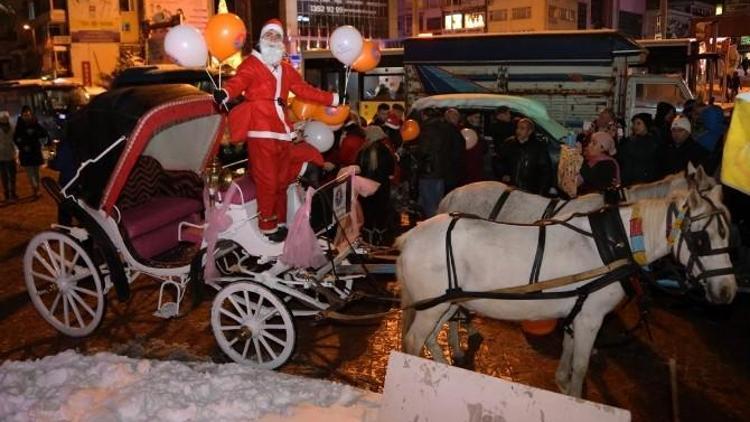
265, 79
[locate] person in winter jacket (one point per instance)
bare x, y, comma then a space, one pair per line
352, 139
376, 162
639, 154
711, 136
265, 81
665, 114
682, 150
29, 137
523, 161
7, 157
600, 170
437, 163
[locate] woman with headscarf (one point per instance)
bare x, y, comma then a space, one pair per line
600, 170
665, 114
376, 162
29, 138
639, 154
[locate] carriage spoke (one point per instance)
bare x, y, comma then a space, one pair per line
231, 327
268, 348
85, 291
80, 300
274, 327
61, 257
259, 355
234, 340
236, 305
246, 295
55, 303
80, 276
66, 315
275, 339
259, 306
53, 258
44, 277
231, 315
273, 312
76, 312
245, 349
73, 263
45, 264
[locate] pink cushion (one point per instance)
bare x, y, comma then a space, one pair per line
247, 187
156, 213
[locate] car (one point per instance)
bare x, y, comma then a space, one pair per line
548, 130
169, 74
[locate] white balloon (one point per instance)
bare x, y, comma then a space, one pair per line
470, 136
319, 135
346, 44
186, 45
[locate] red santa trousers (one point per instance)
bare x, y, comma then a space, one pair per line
273, 166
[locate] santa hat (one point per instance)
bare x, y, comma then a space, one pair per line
393, 121
272, 24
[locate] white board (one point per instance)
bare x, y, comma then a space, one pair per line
420, 390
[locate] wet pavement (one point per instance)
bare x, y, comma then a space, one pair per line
711, 345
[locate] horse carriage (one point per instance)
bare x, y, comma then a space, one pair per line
143, 209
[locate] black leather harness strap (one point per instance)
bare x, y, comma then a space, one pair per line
499, 204
536, 266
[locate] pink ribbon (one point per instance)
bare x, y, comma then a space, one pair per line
361, 186
217, 221
301, 248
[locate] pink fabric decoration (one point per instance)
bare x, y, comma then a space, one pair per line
217, 221
301, 248
361, 186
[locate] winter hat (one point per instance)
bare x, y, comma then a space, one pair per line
374, 133
272, 24
682, 122
605, 140
4, 116
645, 118
393, 121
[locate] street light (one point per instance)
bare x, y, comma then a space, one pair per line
28, 27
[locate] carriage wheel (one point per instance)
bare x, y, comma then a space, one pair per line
252, 325
64, 284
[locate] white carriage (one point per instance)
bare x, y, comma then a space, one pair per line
138, 197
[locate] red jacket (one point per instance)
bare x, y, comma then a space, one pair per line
266, 89
350, 145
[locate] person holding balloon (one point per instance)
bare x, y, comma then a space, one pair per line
265, 81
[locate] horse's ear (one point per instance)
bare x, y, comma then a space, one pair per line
691, 169
700, 174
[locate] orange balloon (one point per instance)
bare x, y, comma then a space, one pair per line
409, 130
225, 34
305, 109
369, 57
539, 328
332, 116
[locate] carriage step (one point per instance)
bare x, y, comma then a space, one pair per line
167, 310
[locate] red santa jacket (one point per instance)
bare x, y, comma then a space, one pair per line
266, 88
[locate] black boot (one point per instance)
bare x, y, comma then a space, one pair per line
278, 236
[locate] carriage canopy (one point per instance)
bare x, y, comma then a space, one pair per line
178, 125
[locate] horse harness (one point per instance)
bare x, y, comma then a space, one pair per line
612, 243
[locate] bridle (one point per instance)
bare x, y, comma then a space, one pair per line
698, 242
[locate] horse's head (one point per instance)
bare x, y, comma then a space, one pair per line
698, 179
699, 230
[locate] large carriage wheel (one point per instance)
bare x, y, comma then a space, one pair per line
64, 284
252, 325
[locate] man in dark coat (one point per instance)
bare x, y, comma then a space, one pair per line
377, 163
436, 161
523, 161
639, 154
682, 150
29, 138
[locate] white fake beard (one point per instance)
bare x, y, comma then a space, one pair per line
271, 52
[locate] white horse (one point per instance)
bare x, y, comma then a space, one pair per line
490, 255
522, 207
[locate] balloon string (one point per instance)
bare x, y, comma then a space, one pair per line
211, 79
346, 81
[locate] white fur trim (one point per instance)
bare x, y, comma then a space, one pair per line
336, 99
304, 169
269, 26
266, 134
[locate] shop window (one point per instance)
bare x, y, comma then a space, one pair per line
454, 21
498, 15
519, 13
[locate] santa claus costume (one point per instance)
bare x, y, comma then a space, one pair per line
265, 80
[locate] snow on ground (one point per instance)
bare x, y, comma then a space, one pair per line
108, 387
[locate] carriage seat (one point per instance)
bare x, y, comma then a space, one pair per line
154, 202
247, 187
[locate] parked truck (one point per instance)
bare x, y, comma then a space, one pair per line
575, 74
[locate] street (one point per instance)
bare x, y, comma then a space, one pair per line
711, 345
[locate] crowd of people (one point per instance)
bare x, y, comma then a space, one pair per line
417, 175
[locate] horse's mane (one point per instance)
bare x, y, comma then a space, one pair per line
655, 189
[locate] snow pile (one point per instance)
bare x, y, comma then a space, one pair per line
107, 387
